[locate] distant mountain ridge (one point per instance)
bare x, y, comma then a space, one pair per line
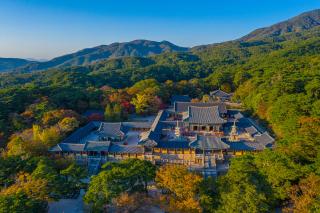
7, 64
144, 48
302, 22
141, 48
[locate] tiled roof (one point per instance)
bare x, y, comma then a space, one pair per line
79, 147
220, 93
251, 130
71, 147
222, 108
56, 148
148, 138
264, 139
208, 143
148, 143
115, 148
137, 124
97, 146
175, 144
204, 115
157, 125
180, 98
105, 129
168, 123
180, 107
112, 129
245, 146
153, 135
238, 115
82, 132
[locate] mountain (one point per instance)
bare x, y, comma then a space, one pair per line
302, 22
143, 48
140, 48
282, 31
12, 63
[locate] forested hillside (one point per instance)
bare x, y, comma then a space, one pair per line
140, 48
296, 24
7, 64
277, 78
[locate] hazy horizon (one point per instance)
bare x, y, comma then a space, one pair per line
44, 30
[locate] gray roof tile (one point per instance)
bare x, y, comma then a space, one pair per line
153, 135
71, 147
112, 129
137, 124
180, 107
220, 93
173, 144
209, 143
245, 146
204, 115
56, 148
238, 115
251, 130
97, 146
115, 148
264, 139
82, 132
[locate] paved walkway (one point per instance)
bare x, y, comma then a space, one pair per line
67, 205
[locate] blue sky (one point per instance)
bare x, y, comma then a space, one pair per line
48, 28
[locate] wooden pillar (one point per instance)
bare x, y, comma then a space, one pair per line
203, 157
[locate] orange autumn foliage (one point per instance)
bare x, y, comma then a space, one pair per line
182, 187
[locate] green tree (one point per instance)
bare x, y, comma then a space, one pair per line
243, 189
129, 176
46, 171
146, 104
73, 175
20, 202
279, 170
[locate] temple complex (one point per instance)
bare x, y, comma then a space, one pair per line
202, 136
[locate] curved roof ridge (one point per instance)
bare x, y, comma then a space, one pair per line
202, 107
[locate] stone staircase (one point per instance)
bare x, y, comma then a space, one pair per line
94, 165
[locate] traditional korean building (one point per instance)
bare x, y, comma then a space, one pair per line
206, 119
182, 107
108, 141
112, 131
220, 95
198, 140
248, 139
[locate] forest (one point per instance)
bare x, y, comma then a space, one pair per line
277, 79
